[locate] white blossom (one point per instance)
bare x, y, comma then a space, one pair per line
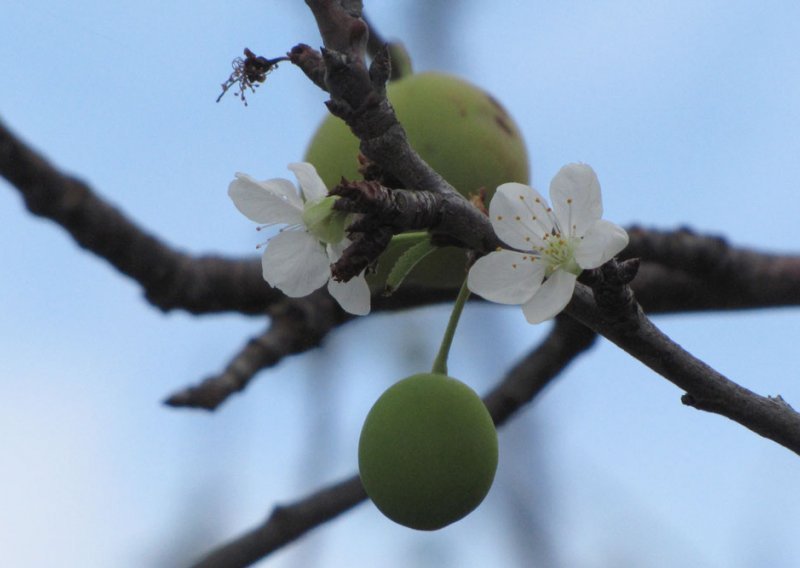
297, 260
548, 247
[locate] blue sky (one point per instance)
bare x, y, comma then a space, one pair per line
688, 111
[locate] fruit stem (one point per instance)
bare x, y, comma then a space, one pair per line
440, 363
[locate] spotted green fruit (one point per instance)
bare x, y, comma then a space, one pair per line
428, 451
460, 130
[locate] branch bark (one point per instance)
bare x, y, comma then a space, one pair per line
286, 524
681, 270
613, 312
358, 96
298, 325
170, 279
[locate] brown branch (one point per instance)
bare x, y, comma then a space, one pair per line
743, 279
523, 382
613, 313
384, 212
713, 275
700, 272
340, 25
412, 210
310, 62
170, 279
358, 96
297, 325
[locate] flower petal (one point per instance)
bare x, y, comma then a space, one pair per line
296, 263
311, 184
335, 250
506, 277
267, 202
520, 216
575, 193
353, 296
601, 242
552, 297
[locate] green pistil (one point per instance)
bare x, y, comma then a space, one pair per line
323, 221
560, 254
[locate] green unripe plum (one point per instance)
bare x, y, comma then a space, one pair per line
428, 451
459, 129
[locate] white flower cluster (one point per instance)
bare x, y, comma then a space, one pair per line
547, 247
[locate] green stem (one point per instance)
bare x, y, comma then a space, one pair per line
412, 237
440, 363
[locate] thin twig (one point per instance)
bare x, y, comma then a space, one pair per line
297, 325
286, 524
170, 279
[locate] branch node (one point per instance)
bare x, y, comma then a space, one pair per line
690, 400
334, 60
338, 108
628, 269
613, 296
778, 399
310, 62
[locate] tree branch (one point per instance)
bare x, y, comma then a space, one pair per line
358, 96
714, 275
702, 272
286, 524
613, 313
298, 325
170, 279
693, 272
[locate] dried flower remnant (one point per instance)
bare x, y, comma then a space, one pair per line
249, 72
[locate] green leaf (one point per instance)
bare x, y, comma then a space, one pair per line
406, 263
